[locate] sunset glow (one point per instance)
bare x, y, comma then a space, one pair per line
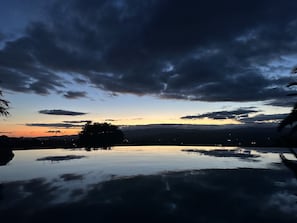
151, 64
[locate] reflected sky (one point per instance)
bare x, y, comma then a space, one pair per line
225, 195
168, 182
128, 161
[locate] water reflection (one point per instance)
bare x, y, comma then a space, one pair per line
60, 158
187, 196
291, 164
130, 161
71, 176
148, 184
6, 155
97, 148
243, 154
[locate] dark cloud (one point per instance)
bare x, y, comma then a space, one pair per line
283, 102
22, 70
80, 121
80, 81
75, 94
54, 125
2, 36
110, 120
54, 131
194, 50
242, 114
264, 118
234, 114
61, 112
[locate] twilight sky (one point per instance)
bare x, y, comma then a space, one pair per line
133, 62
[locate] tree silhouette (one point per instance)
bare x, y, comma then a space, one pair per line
3, 106
102, 135
290, 120
6, 153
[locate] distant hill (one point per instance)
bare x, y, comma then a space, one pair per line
171, 134
233, 135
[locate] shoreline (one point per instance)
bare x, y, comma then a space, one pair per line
271, 149
132, 145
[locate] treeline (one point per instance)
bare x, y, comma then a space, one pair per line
39, 142
179, 135
168, 135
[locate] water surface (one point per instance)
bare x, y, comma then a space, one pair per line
131, 160
148, 184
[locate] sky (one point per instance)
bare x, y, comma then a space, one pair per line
131, 62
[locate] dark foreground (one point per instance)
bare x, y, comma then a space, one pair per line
237, 195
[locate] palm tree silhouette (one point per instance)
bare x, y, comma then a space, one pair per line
6, 153
3, 106
290, 120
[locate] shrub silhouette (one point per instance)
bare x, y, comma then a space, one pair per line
6, 153
102, 135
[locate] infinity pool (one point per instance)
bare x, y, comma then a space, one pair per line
148, 184
132, 160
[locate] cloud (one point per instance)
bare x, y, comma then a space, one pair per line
264, 118
54, 125
61, 112
244, 115
170, 49
282, 102
75, 94
54, 131
80, 121
238, 114
2, 36
5, 132
80, 81
110, 120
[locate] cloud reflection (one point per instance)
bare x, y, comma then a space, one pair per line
190, 196
236, 153
60, 158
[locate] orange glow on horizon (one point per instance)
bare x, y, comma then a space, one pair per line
27, 131
17, 130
